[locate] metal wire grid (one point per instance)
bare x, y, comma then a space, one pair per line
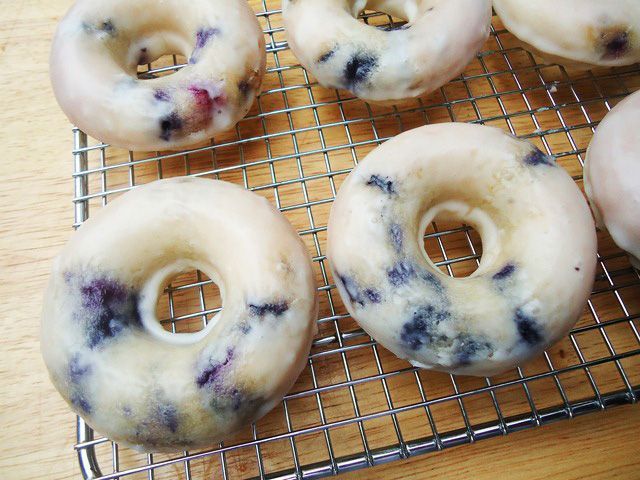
356, 405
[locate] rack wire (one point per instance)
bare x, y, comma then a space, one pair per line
357, 405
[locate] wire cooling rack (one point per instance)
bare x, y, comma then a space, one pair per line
357, 405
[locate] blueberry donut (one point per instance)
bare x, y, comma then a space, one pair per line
612, 175
386, 64
147, 388
99, 45
539, 248
577, 33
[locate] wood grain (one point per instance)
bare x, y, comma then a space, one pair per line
35, 218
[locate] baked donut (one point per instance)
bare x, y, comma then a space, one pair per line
539, 248
612, 175
99, 45
147, 388
577, 33
386, 64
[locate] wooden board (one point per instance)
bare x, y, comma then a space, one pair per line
36, 215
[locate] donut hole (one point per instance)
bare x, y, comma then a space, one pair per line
452, 245
188, 302
386, 15
167, 64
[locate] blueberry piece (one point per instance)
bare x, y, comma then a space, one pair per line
358, 69
352, 289
536, 157
168, 416
397, 236
325, 57
78, 401
356, 294
383, 183
211, 373
616, 44
108, 308
419, 331
505, 272
169, 124
469, 348
527, 328
77, 370
102, 291
415, 333
372, 295
401, 273
276, 309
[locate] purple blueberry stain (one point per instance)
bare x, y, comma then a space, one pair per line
420, 330
77, 372
396, 234
356, 294
401, 273
372, 295
161, 95
77, 369
528, 328
210, 376
358, 69
276, 309
432, 280
167, 415
468, 349
536, 157
108, 309
383, 183
325, 57
170, 124
203, 37
79, 401
505, 272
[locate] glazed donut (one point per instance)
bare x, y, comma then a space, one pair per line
612, 175
386, 65
577, 33
539, 248
99, 45
147, 388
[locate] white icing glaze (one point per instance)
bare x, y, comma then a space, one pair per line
612, 175
99, 44
578, 33
441, 38
144, 387
539, 248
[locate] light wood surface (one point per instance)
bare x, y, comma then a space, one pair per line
35, 217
